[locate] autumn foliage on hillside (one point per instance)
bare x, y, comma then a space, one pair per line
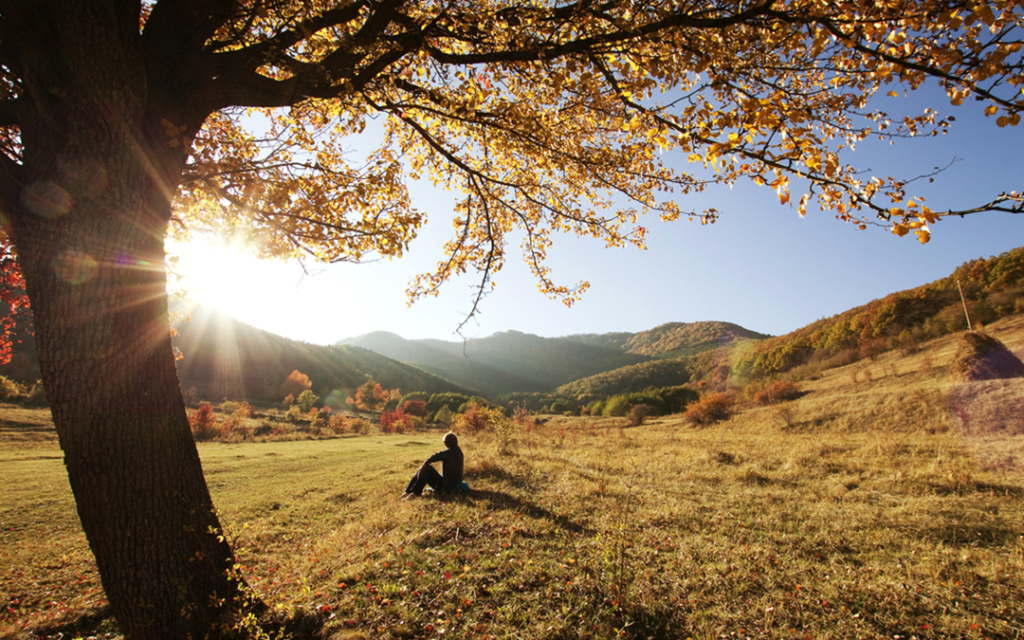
993, 288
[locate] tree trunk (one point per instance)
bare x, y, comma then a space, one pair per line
89, 231
103, 340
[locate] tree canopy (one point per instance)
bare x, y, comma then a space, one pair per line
546, 117
539, 113
122, 121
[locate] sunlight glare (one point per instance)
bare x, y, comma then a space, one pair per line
226, 276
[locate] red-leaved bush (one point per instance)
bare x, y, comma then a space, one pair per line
416, 408
203, 423
394, 421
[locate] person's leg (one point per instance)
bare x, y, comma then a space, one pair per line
426, 475
430, 475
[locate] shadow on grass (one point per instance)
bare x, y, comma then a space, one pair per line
97, 624
101, 624
505, 502
18, 431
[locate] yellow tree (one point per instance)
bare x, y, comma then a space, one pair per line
122, 121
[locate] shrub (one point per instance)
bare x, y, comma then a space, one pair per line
8, 388
444, 416
306, 400
243, 410
415, 408
563, 406
203, 423
37, 395
394, 421
321, 419
359, 425
370, 396
676, 399
781, 391
296, 383
710, 409
447, 399
338, 423
235, 429
416, 423
637, 414
523, 417
294, 414
616, 406
477, 417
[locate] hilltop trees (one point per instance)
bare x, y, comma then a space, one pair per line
121, 122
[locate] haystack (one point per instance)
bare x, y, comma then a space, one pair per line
982, 357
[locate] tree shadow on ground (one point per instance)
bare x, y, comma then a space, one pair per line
101, 624
96, 624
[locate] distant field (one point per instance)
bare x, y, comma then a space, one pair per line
865, 509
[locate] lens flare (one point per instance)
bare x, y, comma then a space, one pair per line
74, 267
45, 199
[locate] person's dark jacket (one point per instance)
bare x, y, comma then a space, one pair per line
451, 460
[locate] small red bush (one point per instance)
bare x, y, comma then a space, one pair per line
394, 421
203, 423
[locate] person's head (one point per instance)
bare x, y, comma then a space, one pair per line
451, 440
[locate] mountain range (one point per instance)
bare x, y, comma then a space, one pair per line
514, 362
225, 358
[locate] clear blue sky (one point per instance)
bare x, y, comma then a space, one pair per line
760, 266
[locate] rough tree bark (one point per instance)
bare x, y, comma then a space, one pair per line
96, 180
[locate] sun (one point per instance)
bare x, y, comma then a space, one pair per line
223, 275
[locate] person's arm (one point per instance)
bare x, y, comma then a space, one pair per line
437, 457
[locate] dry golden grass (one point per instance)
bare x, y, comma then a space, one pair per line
863, 509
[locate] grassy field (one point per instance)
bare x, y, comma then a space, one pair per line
884, 503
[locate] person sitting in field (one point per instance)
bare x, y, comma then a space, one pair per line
450, 478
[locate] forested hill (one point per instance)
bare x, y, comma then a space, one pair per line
512, 362
225, 358
993, 288
677, 339
673, 339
